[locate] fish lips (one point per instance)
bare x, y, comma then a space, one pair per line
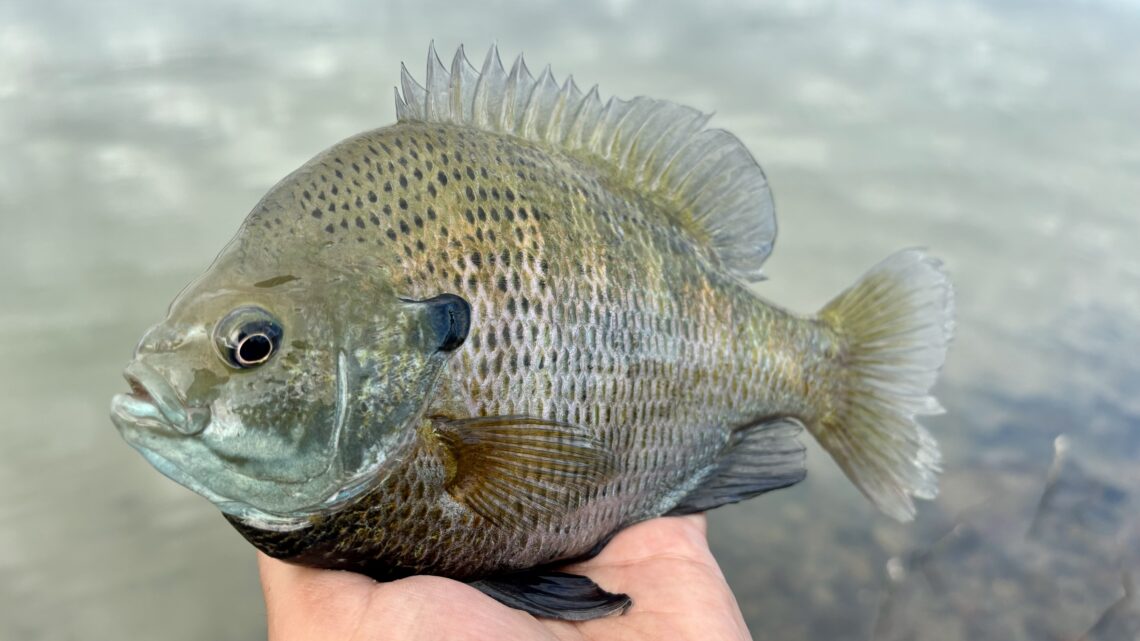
154, 403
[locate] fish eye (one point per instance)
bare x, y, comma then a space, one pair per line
247, 337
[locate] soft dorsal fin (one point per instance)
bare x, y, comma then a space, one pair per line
653, 145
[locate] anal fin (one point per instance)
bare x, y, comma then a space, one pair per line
759, 458
553, 595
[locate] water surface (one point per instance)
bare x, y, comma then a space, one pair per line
1003, 136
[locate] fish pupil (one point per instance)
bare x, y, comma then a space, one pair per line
255, 349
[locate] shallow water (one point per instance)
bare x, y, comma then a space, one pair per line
136, 135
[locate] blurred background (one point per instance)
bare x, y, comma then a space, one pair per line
1005, 136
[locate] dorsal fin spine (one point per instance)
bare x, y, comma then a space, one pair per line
464, 78
415, 96
436, 82
511, 94
489, 90
554, 130
568, 94
602, 140
536, 118
401, 106
455, 90
714, 186
585, 113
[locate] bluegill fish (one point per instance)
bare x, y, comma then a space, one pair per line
484, 339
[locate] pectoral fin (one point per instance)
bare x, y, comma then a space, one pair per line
554, 595
517, 471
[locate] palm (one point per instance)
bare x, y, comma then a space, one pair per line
665, 565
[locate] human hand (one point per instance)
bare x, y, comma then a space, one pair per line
664, 565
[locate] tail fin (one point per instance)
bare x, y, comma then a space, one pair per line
894, 325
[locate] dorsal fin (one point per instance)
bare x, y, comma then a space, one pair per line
653, 145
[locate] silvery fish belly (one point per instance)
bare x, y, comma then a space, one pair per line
488, 337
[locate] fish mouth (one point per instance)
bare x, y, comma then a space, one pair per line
154, 403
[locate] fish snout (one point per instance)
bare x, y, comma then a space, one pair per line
152, 393
162, 338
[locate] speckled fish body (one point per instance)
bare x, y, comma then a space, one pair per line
587, 309
488, 337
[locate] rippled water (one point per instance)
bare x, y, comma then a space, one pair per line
136, 135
